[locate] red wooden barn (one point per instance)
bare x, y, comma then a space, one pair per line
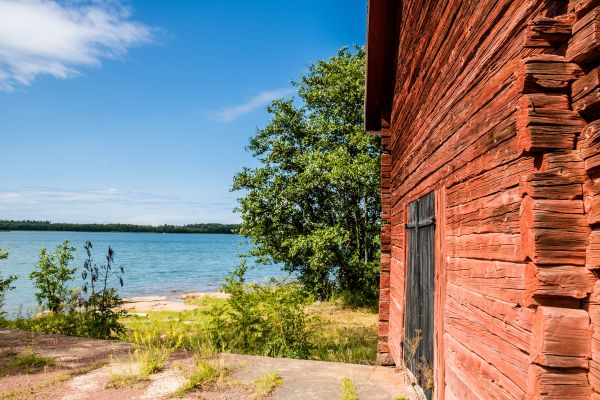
490, 183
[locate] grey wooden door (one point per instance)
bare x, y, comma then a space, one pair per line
418, 324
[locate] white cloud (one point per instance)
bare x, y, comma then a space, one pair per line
49, 195
231, 113
57, 38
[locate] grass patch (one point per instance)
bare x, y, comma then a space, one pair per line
345, 334
342, 334
266, 384
119, 381
205, 372
30, 361
348, 390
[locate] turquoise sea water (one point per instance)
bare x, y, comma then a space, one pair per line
155, 264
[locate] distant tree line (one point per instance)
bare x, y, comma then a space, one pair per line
10, 225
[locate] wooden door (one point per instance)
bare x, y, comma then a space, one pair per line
418, 324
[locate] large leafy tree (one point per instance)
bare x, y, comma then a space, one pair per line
312, 203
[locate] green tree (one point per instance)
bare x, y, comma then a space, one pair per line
5, 284
51, 277
312, 203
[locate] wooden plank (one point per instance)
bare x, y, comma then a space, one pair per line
593, 251
590, 146
557, 281
557, 384
584, 46
585, 94
561, 338
582, 7
549, 32
545, 73
553, 232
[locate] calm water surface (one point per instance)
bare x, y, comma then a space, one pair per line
155, 264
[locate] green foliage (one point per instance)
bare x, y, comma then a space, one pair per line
313, 202
30, 360
101, 305
93, 314
52, 276
9, 225
266, 319
348, 390
5, 284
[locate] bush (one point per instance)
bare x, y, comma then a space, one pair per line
52, 276
267, 319
5, 284
94, 314
101, 306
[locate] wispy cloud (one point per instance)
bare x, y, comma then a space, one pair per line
112, 205
231, 113
57, 38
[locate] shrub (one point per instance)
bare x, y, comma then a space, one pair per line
51, 278
5, 284
267, 319
101, 306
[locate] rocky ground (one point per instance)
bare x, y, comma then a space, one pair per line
80, 369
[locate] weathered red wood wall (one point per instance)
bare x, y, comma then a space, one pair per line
495, 107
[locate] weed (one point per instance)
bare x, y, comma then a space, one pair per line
348, 390
119, 381
30, 361
266, 384
206, 371
401, 397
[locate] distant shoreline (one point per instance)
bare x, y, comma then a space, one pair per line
47, 226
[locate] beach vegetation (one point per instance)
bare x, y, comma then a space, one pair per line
51, 278
102, 303
93, 311
6, 284
267, 319
31, 361
312, 203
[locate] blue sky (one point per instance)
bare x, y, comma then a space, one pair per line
139, 112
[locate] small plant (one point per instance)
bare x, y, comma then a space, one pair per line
119, 381
52, 276
266, 384
205, 372
267, 319
103, 300
348, 390
29, 361
401, 397
5, 284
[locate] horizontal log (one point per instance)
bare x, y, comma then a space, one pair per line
582, 7
593, 251
480, 374
557, 281
557, 384
485, 246
584, 46
585, 94
590, 146
561, 338
497, 279
553, 232
549, 32
545, 73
